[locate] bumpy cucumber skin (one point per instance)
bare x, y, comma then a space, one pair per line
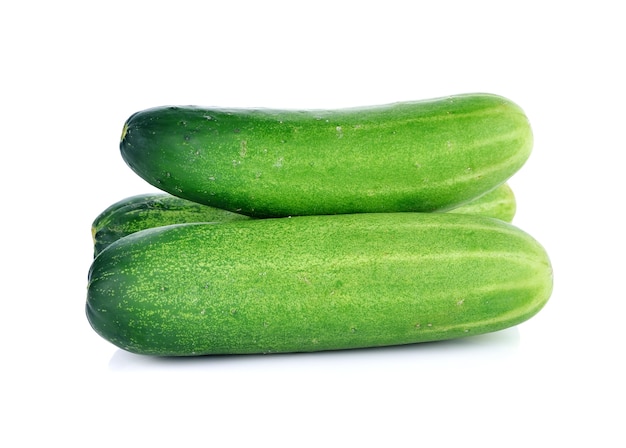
315, 283
409, 156
149, 210
499, 203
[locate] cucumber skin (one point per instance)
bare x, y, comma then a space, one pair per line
499, 203
149, 210
315, 283
144, 211
404, 157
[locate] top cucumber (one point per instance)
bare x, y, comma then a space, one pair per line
410, 156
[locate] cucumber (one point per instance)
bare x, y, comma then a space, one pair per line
499, 203
148, 210
403, 157
315, 283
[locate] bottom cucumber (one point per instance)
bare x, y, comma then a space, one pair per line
315, 283
149, 210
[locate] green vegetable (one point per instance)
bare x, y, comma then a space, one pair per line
410, 156
144, 211
315, 283
499, 203
149, 210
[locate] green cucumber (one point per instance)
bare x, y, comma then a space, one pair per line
402, 157
149, 210
499, 203
315, 283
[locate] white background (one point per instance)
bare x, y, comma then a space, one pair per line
72, 72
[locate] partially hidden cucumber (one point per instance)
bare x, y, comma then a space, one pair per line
499, 203
403, 157
149, 210
144, 211
315, 283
